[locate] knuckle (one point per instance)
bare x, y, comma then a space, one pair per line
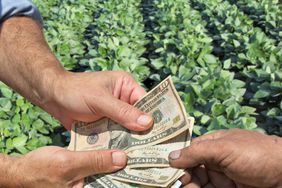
63, 164
98, 163
126, 77
125, 110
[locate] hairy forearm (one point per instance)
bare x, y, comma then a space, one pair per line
27, 64
8, 171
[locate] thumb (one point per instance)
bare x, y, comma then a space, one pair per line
208, 152
86, 163
125, 114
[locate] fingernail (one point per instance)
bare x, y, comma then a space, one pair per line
119, 158
144, 120
175, 154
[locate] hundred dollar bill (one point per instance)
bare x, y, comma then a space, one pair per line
162, 103
157, 155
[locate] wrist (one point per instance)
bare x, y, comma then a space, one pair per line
46, 92
53, 90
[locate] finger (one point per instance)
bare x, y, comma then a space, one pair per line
126, 88
220, 180
124, 113
186, 178
67, 123
207, 152
201, 173
78, 184
195, 183
209, 185
137, 94
239, 185
87, 163
210, 136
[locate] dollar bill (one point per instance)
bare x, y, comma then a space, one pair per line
165, 106
106, 182
151, 156
157, 155
162, 103
160, 177
147, 151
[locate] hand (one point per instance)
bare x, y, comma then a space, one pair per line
231, 158
65, 95
91, 96
58, 167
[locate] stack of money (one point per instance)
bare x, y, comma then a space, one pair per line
147, 151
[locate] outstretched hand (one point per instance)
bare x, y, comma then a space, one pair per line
231, 158
57, 167
91, 96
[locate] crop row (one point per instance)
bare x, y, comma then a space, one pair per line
210, 94
116, 39
265, 14
64, 25
251, 55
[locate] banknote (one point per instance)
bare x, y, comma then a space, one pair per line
90, 136
157, 155
147, 151
106, 182
159, 177
162, 103
88, 139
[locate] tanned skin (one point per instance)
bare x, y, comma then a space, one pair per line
29, 67
27, 64
231, 158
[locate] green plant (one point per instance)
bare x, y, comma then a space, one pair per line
23, 127
224, 55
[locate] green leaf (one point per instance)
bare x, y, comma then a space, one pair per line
262, 94
248, 110
5, 104
210, 59
238, 83
199, 130
9, 143
197, 113
19, 141
237, 22
273, 112
205, 119
233, 111
6, 92
227, 64
39, 126
217, 109
157, 63
20, 102
236, 43
22, 149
